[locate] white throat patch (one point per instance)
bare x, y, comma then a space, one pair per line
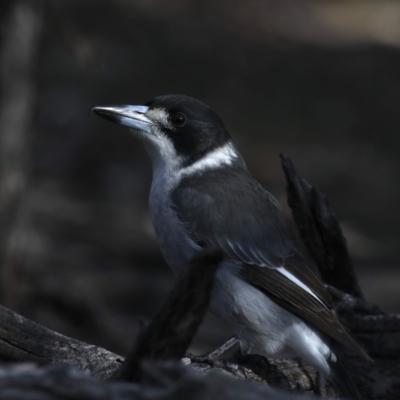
217, 158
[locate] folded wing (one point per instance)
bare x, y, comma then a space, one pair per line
248, 226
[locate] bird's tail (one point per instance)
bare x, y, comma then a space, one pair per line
342, 379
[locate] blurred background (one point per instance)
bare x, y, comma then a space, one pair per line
317, 80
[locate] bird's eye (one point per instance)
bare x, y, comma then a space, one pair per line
178, 119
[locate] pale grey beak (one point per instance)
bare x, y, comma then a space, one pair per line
131, 116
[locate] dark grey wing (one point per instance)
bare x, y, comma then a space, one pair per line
215, 208
219, 202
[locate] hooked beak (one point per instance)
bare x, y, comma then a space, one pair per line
131, 116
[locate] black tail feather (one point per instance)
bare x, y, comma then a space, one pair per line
342, 379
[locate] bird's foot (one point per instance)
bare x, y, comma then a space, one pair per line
212, 357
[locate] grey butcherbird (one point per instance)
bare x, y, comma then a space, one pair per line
203, 196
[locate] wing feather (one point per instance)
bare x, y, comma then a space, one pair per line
217, 215
292, 297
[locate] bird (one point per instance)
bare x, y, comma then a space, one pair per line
203, 196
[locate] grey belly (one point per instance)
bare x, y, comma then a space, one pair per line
262, 325
175, 243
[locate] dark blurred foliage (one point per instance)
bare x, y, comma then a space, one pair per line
318, 81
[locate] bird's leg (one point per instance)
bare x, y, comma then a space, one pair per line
232, 364
210, 358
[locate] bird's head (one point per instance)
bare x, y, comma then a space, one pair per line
176, 129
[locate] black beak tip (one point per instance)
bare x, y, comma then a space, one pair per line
93, 110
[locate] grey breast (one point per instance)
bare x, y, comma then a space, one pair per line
176, 245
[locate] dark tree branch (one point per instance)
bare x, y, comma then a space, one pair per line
375, 323
361, 316
24, 340
345, 302
168, 336
320, 230
170, 333
161, 381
